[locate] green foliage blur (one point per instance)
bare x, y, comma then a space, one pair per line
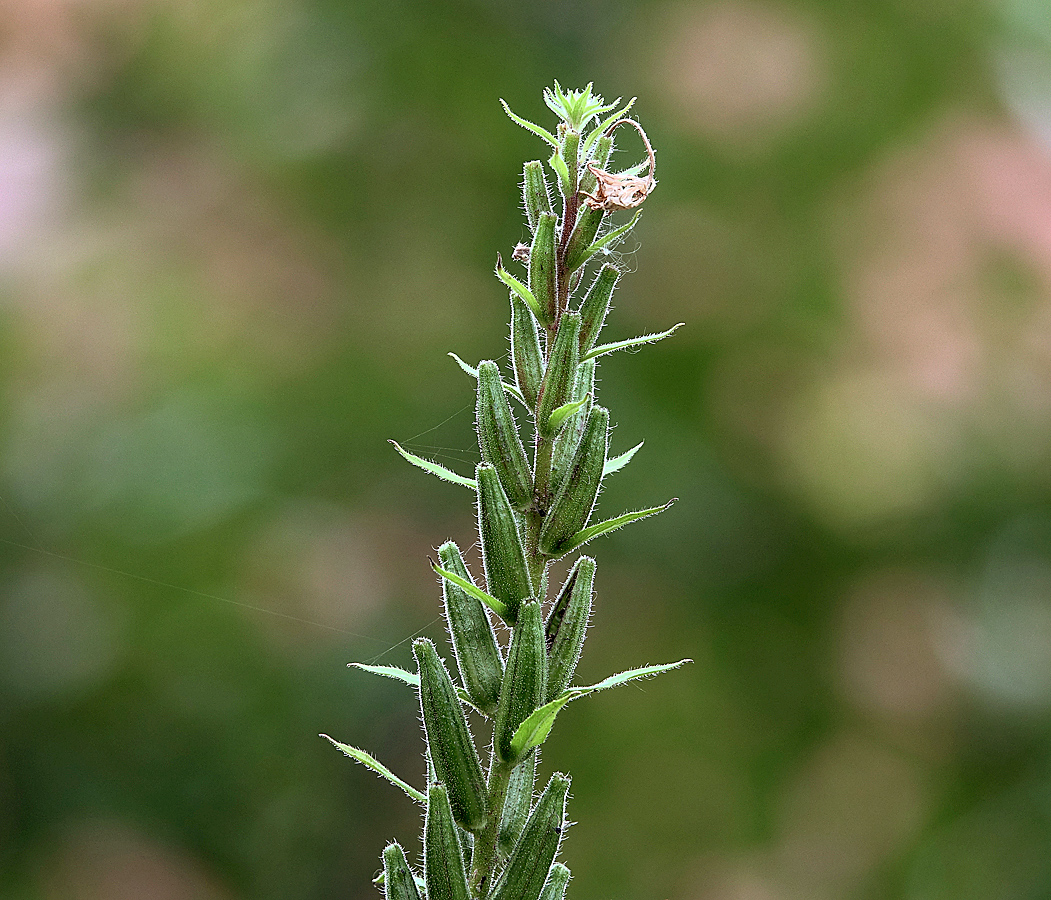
237, 239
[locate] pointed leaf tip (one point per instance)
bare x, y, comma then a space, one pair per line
434, 468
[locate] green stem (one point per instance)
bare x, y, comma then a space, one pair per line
485, 843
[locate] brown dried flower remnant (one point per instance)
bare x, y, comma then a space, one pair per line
615, 192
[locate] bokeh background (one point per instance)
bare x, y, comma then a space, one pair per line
237, 238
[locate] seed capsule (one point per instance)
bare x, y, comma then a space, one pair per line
474, 642
498, 437
535, 193
572, 506
443, 869
506, 573
527, 869
398, 883
526, 355
595, 306
569, 436
561, 371
542, 266
567, 624
452, 750
583, 236
600, 159
525, 679
517, 803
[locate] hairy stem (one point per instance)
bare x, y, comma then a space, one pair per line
485, 843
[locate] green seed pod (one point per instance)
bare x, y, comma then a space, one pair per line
542, 265
506, 573
451, 748
443, 869
474, 642
557, 881
398, 883
595, 306
561, 371
535, 193
567, 624
498, 437
527, 869
569, 436
517, 803
583, 236
526, 354
571, 508
525, 679
571, 154
600, 158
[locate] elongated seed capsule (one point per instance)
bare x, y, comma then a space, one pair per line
572, 506
530, 862
526, 354
542, 266
498, 437
525, 679
600, 157
595, 306
443, 869
583, 236
451, 748
398, 883
535, 193
567, 624
474, 642
555, 886
503, 556
517, 803
571, 154
561, 371
569, 436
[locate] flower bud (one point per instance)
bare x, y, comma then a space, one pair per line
542, 264
571, 508
398, 883
452, 750
474, 642
527, 869
535, 193
525, 679
443, 869
506, 573
498, 437
561, 371
566, 626
595, 306
569, 436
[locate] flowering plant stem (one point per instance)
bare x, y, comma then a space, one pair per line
487, 834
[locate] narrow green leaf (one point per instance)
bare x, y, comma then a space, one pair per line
473, 372
559, 167
435, 468
615, 235
413, 680
541, 133
372, 763
410, 678
602, 126
600, 528
564, 412
534, 730
603, 349
498, 607
619, 462
522, 291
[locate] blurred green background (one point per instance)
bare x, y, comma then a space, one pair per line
237, 238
